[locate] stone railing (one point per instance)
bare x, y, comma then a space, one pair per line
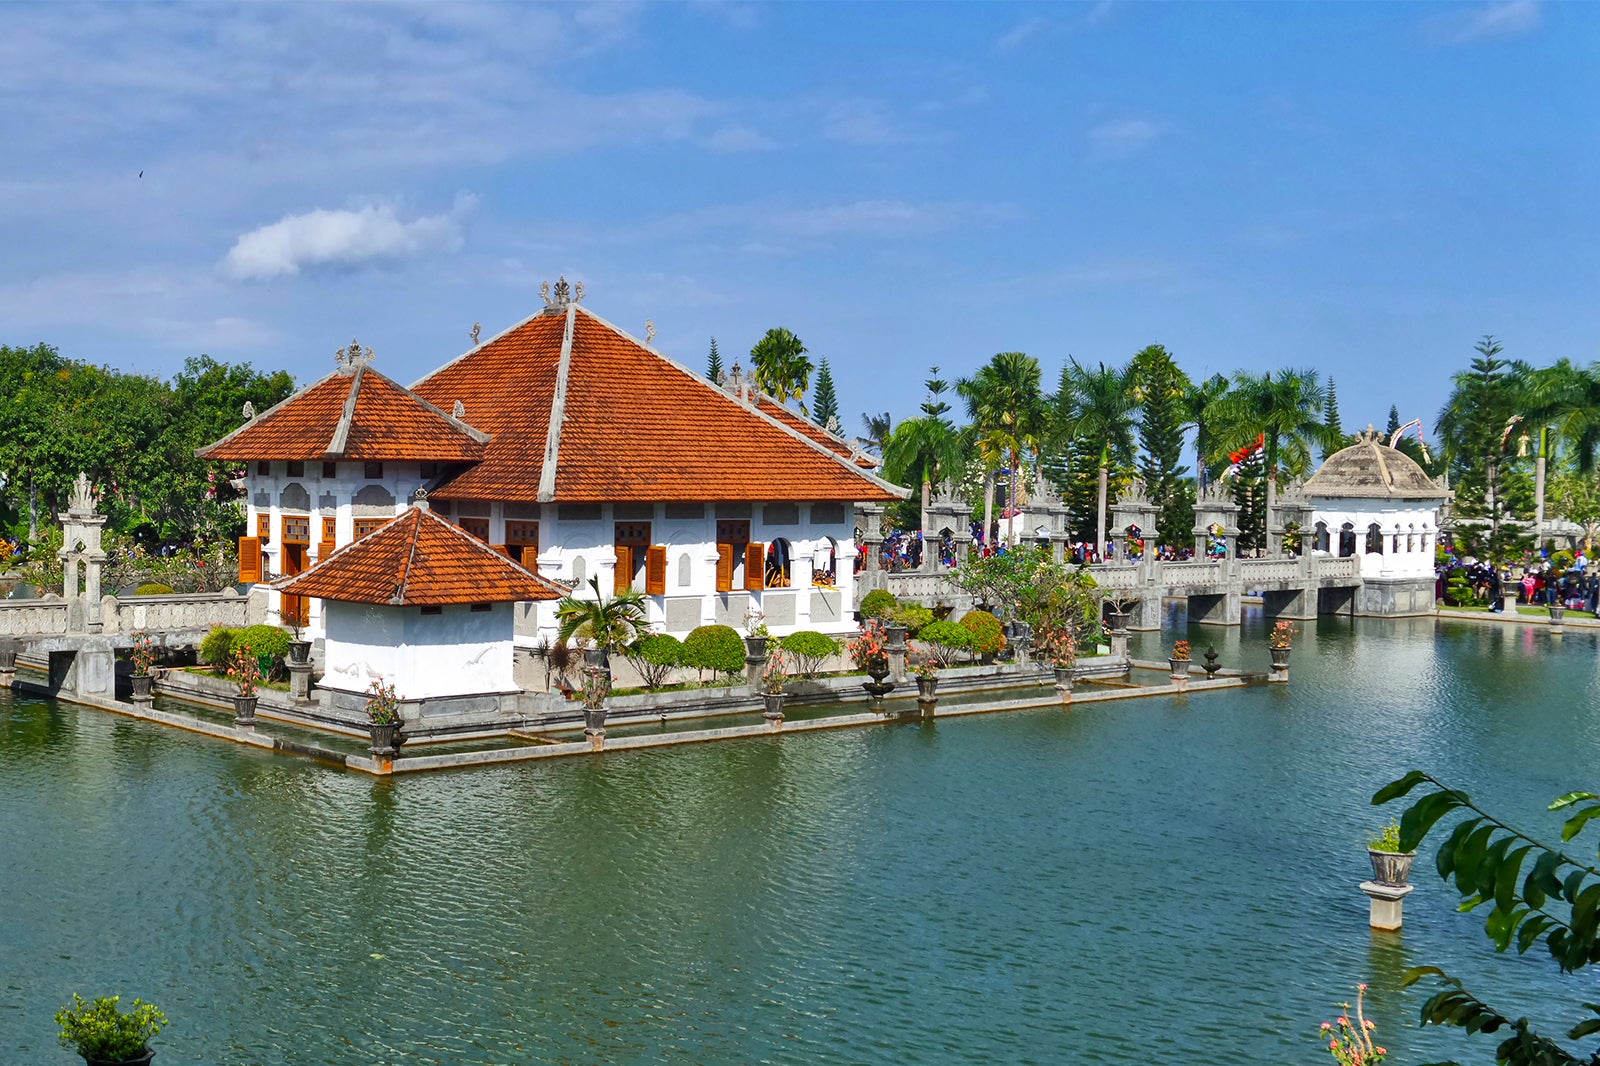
1115, 576
31, 617
1183, 575
193, 611
1328, 567
1270, 570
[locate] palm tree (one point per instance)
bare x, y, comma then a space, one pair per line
1200, 400
922, 451
1284, 411
1566, 398
877, 427
1009, 418
779, 366
609, 623
1096, 407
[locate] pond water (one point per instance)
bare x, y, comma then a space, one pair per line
1162, 880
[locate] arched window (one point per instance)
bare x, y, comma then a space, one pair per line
1216, 543
1374, 539
1322, 541
1411, 538
1347, 540
825, 563
1394, 547
1135, 537
780, 565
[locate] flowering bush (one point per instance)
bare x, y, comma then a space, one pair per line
873, 643
596, 686
1281, 636
1063, 648
383, 706
1181, 650
776, 672
243, 670
143, 653
1349, 1043
755, 625
924, 664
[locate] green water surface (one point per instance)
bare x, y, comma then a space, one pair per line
1169, 880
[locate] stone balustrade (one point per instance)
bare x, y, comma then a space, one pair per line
121, 616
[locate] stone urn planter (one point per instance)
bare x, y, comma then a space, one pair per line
386, 739
244, 710
927, 688
1391, 868
877, 688
299, 652
1117, 620
895, 633
139, 1060
756, 647
141, 687
1280, 663
773, 711
594, 726
1558, 615
1063, 678
1179, 668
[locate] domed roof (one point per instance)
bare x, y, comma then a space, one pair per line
1370, 470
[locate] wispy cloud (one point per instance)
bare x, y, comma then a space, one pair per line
1119, 138
731, 139
1022, 31
1500, 18
343, 238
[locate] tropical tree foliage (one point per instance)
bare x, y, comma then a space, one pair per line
1161, 389
779, 366
825, 402
609, 623
714, 363
1534, 893
1094, 411
1477, 430
1006, 404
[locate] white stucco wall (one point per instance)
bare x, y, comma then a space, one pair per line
1410, 533
458, 652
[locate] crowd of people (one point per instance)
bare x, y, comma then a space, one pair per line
1543, 582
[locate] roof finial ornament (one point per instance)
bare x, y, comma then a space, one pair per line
459, 411
477, 327
249, 410
649, 332
420, 499
353, 356
562, 294
82, 501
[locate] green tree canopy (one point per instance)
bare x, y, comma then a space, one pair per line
779, 366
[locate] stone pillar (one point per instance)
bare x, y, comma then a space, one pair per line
8, 662
897, 653
300, 683
870, 517
754, 667
1387, 903
81, 528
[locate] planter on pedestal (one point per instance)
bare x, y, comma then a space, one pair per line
386, 739
594, 726
1064, 682
1558, 615
299, 652
244, 710
756, 647
877, 688
1179, 668
141, 687
927, 688
774, 708
1280, 663
1391, 868
142, 1059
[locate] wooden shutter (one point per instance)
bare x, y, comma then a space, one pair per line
624, 576
755, 566
326, 548
655, 570
724, 567
330, 528
263, 527
249, 560
530, 559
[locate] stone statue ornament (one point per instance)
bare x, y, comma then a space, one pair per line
349, 358
477, 327
649, 332
459, 411
249, 410
561, 294
82, 501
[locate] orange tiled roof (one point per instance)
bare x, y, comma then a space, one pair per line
837, 445
631, 426
386, 423
419, 559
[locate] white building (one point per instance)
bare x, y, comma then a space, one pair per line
1376, 503
579, 451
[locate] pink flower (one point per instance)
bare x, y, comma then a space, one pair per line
1326, 1026
1362, 987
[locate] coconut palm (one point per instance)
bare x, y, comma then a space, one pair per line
1566, 398
779, 366
1200, 401
1094, 409
922, 451
610, 623
1283, 410
1009, 419
878, 429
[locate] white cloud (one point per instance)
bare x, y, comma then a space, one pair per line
730, 139
1122, 137
1019, 33
1501, 18
348, 238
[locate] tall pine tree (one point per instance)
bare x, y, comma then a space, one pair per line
1394, 423
1330, 415
714, 363
934, 406
1161, 387
825, 401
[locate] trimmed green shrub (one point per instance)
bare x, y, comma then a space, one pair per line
269, 644
877, 604
912, 616
719, 649
653, 656
947, 640
988, 637
810, 650
153, 589
218, 645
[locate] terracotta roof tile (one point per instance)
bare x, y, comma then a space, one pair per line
635, 426
794, 420
387, 424
419, 559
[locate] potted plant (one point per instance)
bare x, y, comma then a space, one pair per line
1063, 657
299, 649
143, 656
104, 1035
1179, 659
773, 679
383, 718
925, 667
244, 671
608, 624
1279, 641
756, 634
1390, 865
869, 651
596, 687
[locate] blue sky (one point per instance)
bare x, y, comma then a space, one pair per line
1360, 188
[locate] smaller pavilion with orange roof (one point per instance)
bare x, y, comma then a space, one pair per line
423, 605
